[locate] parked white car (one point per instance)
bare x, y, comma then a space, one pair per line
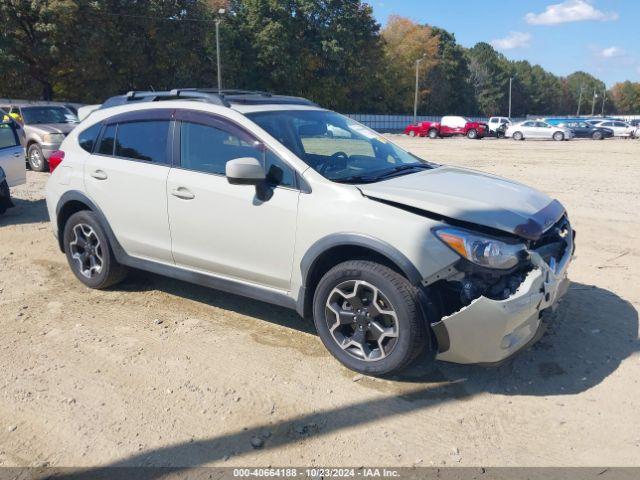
12, 163
620, 128
536, 129
255, 194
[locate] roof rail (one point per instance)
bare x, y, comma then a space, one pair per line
209, 95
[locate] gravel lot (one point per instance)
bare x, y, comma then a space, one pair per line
160, 372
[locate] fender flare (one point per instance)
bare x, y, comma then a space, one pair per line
351, 239
75, 195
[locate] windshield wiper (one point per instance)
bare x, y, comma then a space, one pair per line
401, 168
384, 174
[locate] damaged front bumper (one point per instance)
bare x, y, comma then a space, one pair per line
488, 331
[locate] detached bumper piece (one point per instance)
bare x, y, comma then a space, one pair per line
488, 331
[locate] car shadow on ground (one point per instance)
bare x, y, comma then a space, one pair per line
142, 281
25, 212
591, 333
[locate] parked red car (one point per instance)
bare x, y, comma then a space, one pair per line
447, 127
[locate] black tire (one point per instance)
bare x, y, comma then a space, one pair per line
518, 136
36, 159
597, 135
433, 133
558, 136
412, 133
402, 298
472, 134
111, 272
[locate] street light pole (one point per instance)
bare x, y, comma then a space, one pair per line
415, 98
579, 100
593, 101
221, 12
604, 97
510, 83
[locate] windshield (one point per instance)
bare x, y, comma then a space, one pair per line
337, 147
36, 115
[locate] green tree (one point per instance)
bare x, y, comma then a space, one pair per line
626, 97
490, 79
451, 91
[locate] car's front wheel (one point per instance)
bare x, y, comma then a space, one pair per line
412, 133
558, 136
472, 134
369, 318
89, 253
518, 136
36, 159
433, 133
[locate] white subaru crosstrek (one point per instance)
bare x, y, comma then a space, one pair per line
255, 194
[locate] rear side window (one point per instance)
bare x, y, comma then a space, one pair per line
145, 140
87, 138
107, 141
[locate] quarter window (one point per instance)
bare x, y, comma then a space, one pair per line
87, 138
145, 140
107, 141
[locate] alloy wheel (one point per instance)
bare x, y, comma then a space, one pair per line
361, 320
35, 158
86, 249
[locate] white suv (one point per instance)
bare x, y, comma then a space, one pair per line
255, 194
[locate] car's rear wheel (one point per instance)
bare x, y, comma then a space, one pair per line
89, 253
558, 136
472, 134
369, 318
597, 135
518, 136
433, 133
36, 159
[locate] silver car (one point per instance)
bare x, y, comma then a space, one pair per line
45, 127
538, 129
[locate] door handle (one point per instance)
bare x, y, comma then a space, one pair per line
17, 155
99, 175
183, 193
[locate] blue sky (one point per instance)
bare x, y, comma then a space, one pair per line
601, 37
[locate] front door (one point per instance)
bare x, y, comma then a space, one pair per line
235, 231
11, 155
126, 176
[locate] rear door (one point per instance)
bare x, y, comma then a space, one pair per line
126, 176
11, 155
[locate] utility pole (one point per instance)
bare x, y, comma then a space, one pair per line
579, 100
510, 83
218, 20
604, 97
593, 101
415, 98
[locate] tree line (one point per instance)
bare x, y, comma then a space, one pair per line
332, 51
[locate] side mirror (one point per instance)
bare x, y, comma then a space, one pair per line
244, 171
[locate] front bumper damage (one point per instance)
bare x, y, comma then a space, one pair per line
488, 331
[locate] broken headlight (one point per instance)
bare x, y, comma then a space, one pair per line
480, 249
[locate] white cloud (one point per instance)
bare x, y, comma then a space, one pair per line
611, 52
513, 40
569, 11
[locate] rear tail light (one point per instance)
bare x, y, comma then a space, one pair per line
55, 159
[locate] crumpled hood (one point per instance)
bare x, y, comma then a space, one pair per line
53, 127
473, 197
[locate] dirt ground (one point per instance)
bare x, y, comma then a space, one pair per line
161, 372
